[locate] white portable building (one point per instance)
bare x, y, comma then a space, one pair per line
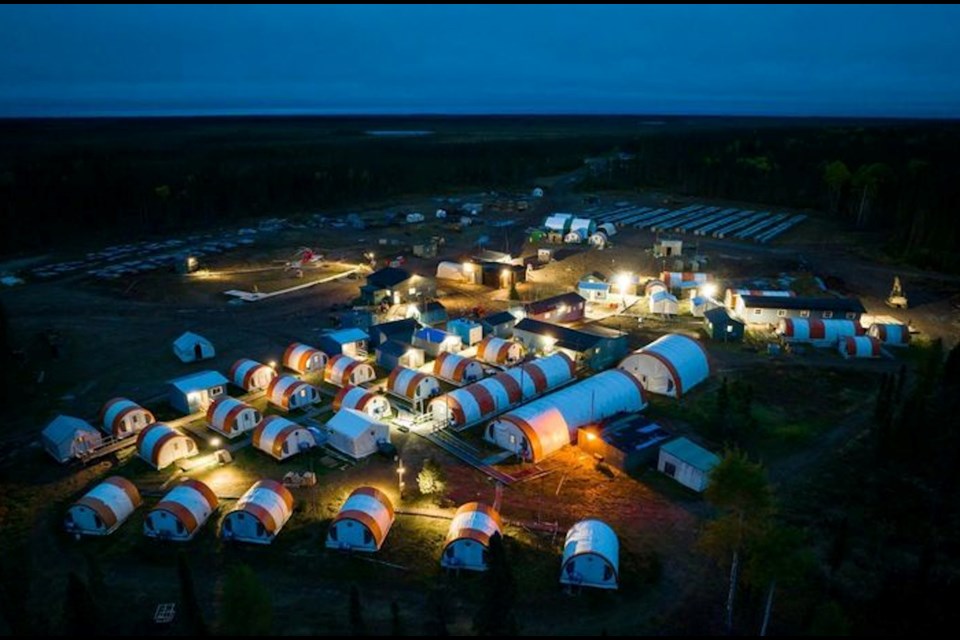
192, 347
66, 437
355, 433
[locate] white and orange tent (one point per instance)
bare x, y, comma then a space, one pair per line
289, 393
536, 430
180, 514
591, 556
412, 385
496, 350
363, 522
160, 445
496, 394
282, 438
373, 404
469, 537
122, 418
671, 365
231, 417
104, 508
457, 369
303, 358
824, 333
892, 335
260, 513
251, 375
859, 347
342, 370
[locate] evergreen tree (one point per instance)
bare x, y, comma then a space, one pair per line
80, 613
496, 616
188, 598
356, 613
246, 609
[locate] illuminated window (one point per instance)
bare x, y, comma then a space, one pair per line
757, 312
215, 391
805, 313
412, 291
828, 314
781, 313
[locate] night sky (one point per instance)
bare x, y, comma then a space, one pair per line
116, 60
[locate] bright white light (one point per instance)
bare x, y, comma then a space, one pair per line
273, 364
709, 289
623, 281
214, 442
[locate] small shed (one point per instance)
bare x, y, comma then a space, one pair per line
355, 433
668, 248
363, 521
468, 538
373, 404
626, 442
122, 418
394, 353
499, 324
349, 342
182, 512
160, 445
102, 509
594, 291
192, 347
687, 463
251, 375
720, 326
289, 393
591, 556
429, 313
344, 370
470, 332
66, 437
259, 515
196, 391
434, 341
663, 303
282, 438
231, 418
303, 358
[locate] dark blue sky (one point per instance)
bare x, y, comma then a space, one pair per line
847, 60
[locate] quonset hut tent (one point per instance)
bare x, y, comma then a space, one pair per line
191, 347
251, 375
670, 365
104, 508
414, 386
468, 539
231, 417
66, 437
495, 395
343, 370
499, 351
290, 393
457, 369
355, 433
282, 438
591, 556
363, 522
893, 335
823, 333
181, 513
543, 427
161, 445
372, 404
122, 418
303, 358
859, 347
260, 513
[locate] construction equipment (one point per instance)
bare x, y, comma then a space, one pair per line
897, 298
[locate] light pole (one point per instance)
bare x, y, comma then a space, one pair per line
400, 472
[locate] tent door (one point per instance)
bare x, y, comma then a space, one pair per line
198, 351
